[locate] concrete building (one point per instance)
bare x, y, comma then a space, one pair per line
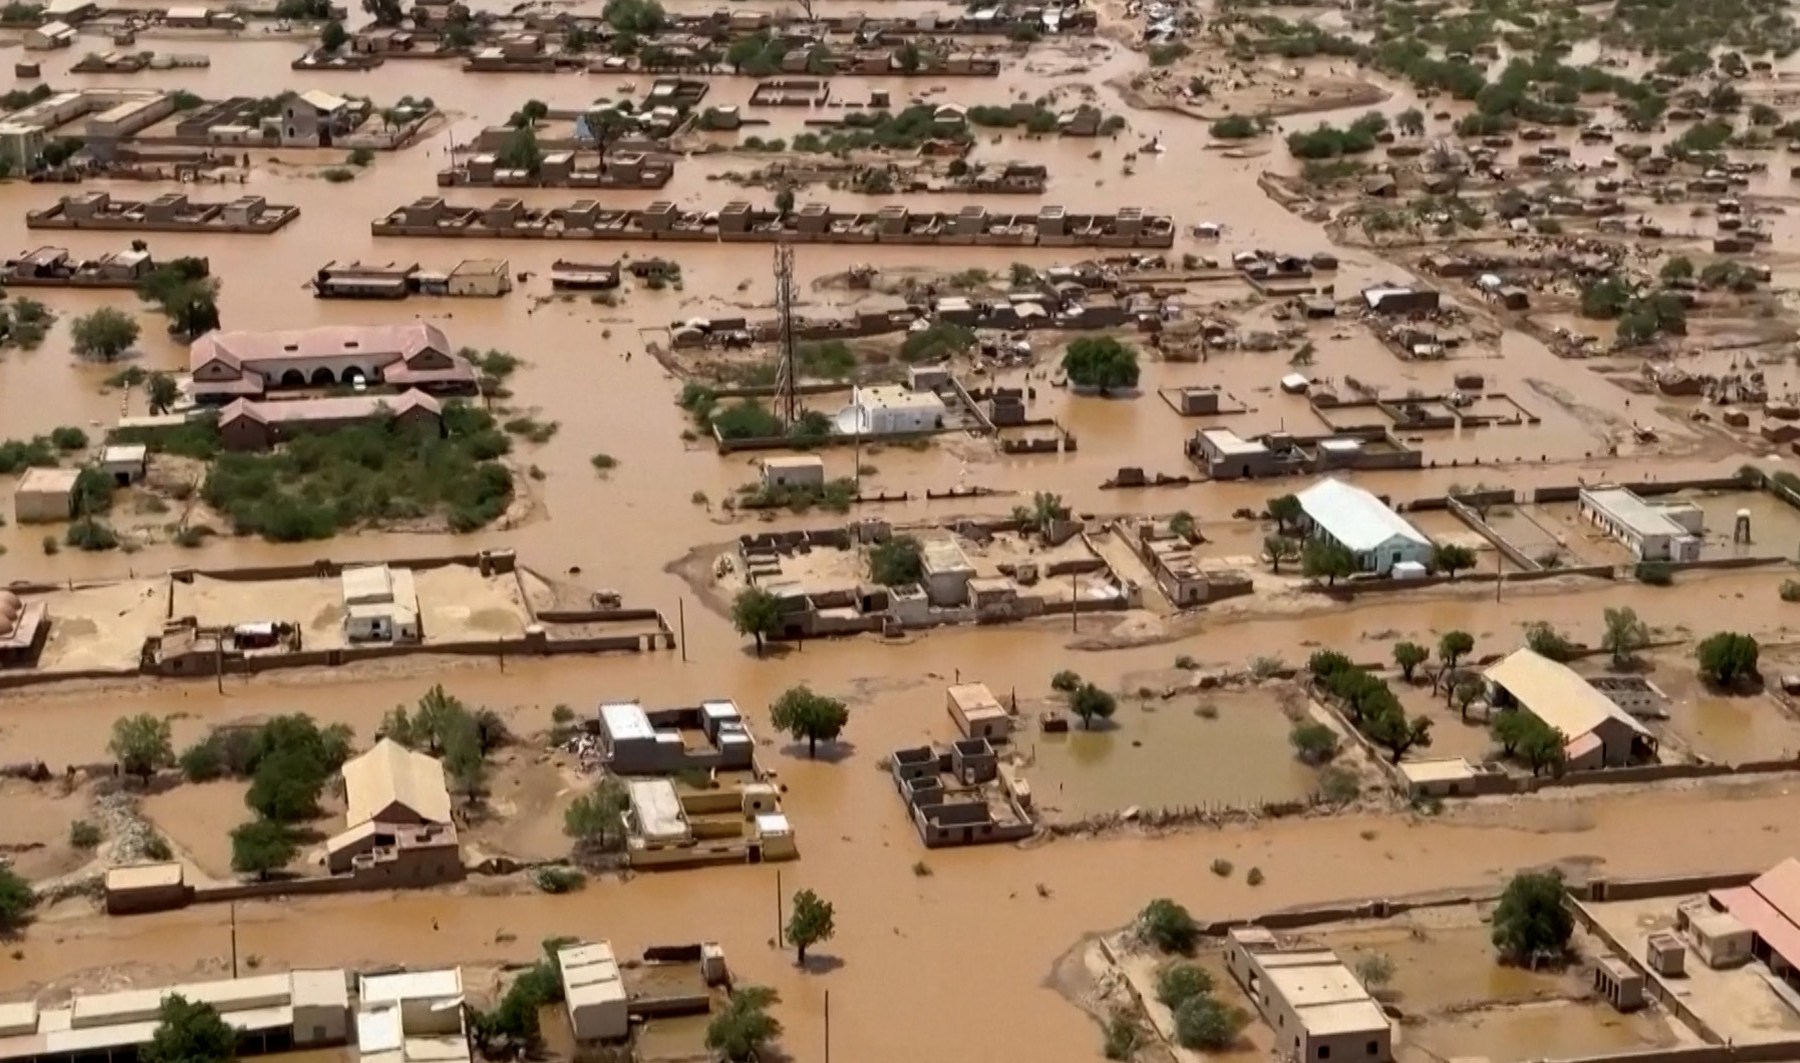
392, 784
682, 826
412, 1017
49, 36
1769, 910
1596, 732
594, 991
947, 571
314, 119
45, 496
978, 714
669, 741
125, 464
23, 628
381, 604
887, 409
233, 365
1363, 524
1227, 456
799, 470
21, 145
487, 278
145, 888
1316, 1007
1651, 532
247, 424
962, 795
385, 856
271, 1013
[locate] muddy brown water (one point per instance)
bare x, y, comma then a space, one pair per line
975, 939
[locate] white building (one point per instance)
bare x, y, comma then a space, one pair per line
125, 463
411, 1017
1651, 531
49, 35
798, 470
886, 409
594, 990
1363, 524
381, 604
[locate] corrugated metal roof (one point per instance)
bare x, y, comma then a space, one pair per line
1556, 695
1354, 517
392, 774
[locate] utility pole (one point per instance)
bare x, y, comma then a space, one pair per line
787, 389
828, 1026
780, 932
234, 963
681, 618
1074, 603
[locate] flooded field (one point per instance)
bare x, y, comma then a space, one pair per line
1229, 750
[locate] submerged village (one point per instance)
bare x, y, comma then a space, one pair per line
1147, 530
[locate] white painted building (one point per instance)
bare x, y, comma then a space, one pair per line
1358, 521
1650, 531
888, 409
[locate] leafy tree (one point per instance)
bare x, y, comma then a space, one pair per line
743, 1027
189, 1031
1065, 682
757, 613
1045, 510
521, 151
1677, 269
333, 36
531, 114
1182, 524
286, 786
1410, 122
1090, 703
1322, 559
385, 12
1531, 921
897, 562
260, 847
1205, 1022
141, 745
1451, 557
1286, 511
1409, 656
1540, 745
1313, 743
803, 714
1728, 658
1279, 548
1376, 969
193, 309
1544, 640
104, 334
596, 819
1397, 734
784, 201
17, 899
162, 391
1168, 926
1101, 362
1178, 983
1453, 646
643, 17
1467, 690
1625, 634
202, 761
810, 922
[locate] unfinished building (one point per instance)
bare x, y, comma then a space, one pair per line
708, 737
962, 795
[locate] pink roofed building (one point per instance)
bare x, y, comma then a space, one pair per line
246, 365
246, 424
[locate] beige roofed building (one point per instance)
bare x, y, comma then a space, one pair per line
1317, 1009
392, 784
1596, 732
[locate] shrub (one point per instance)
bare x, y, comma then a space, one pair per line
603, 463
1313, 742
1790, 590
1178, 983
1168, 926
84, 835
558, 879
1221, 867
337, 175
1655, 573
1339, 785
1255, 877
1123, 1036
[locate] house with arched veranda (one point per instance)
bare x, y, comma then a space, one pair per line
237, 365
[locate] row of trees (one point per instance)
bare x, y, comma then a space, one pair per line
1371, 704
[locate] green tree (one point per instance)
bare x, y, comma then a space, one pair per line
1286, 511
1326, 560
1279, 548
141, 745
333, 36
17, 899
810, 922
1168, 926
1394, 732
1181, 524
1531, 922
1065, 682
803, 714
1541, 746
259, 847
1677, 269
163, 392
1178, 983
1545, 641
104, 334
1313, 743
1468, 689
1090, 703
757, 613
286, 786
385, 12
1102, 363
1451, 557
1205, 1022
596, 819
189, 1031
1409, 656
1453, 646
1728, 658
193, 309
1046, 509
784, 201
1625, 634
521, 151
897, 562
1410, 122
743, 1027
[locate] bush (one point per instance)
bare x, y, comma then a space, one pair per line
338, 175
1313, 742
84, 835
1255, 877
203, 761
1168, 926
1546, 641
558, 879
1339, 785
1205, 1022
603, 463
898, 562
1790, 590
361, 157
1221, 867
1655, 573
1123, 1036
68, 438
1235, 127
1179, 983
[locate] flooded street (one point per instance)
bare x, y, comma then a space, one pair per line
969, 944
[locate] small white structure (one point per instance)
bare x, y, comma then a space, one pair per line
125, 463
799, 470
1362, 524
1650, 531
49, 36
947, 571
888, 409
381, 604
977, 712
45, 496
483, 277
411, 1017
594, 990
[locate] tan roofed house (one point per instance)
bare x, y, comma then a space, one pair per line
246, 424
393, 784
1596, 732
232, 365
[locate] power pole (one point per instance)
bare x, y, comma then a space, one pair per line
787, 390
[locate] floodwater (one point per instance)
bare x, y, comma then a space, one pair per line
1229, 750
979, 934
